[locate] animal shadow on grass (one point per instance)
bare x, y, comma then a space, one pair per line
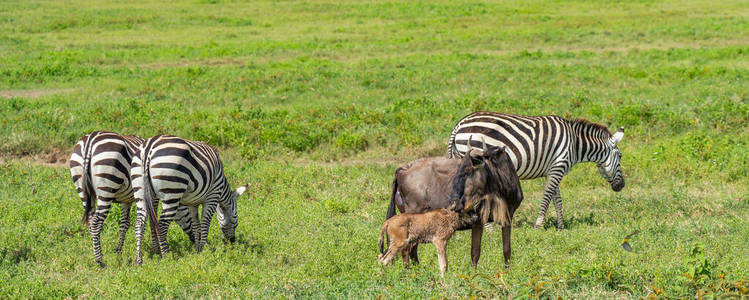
551, 222
250, 244
16, 256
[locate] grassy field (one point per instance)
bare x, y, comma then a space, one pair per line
315, 103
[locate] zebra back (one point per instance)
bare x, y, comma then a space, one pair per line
101, 148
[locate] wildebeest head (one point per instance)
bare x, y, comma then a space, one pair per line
487, 183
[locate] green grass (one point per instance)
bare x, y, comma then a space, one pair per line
316, 103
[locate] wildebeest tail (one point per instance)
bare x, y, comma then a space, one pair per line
391, 207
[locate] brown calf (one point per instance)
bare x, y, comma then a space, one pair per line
407, 230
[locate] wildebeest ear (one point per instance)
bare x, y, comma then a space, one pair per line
494, 151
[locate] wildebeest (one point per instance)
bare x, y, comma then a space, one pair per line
406, 230
485, 185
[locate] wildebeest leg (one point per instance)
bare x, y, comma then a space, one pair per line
552, 185
558, 208
477, 229
506, 244
441, 255
414, 253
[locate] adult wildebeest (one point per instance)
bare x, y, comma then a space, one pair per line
485, 185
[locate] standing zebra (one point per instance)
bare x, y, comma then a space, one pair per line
182, 172
100, 167
543, 146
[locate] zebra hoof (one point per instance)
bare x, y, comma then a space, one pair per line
101, 264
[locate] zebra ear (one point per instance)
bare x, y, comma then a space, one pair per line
240, 190
617, 137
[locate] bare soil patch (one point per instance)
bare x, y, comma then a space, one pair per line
35, 93
53, 158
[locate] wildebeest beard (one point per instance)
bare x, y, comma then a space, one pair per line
502, 193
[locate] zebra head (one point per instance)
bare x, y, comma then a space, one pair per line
227, 215
610, 167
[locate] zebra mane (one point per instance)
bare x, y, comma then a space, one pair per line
585, 123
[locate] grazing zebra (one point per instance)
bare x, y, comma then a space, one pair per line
100, 167
182, 172
543, 146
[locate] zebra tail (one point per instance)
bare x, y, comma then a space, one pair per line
86, 187
148, 194
451, 142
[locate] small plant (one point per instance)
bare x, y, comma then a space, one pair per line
493, 287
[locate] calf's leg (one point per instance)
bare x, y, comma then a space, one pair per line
441, 255
405, 253
395, 246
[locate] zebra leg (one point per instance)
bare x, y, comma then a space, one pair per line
195, 226
155, 245
209, 208
168, 211
140, 227
552, 185
184, 220
124, 224
558, 208
96, 223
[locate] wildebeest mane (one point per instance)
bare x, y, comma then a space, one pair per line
503, 193
507, 183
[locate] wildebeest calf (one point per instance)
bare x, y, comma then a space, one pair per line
408, 229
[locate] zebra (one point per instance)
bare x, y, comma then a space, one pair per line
543, 146
100, 168
182, 172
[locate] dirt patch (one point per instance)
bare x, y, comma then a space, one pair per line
32, 93
53, 158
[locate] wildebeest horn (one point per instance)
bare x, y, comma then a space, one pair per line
469, 144
483, 143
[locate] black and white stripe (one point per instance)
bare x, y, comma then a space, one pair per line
100, 167
182, 172
543, 146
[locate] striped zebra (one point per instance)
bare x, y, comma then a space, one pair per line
100, 167
543, 146
177, 172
